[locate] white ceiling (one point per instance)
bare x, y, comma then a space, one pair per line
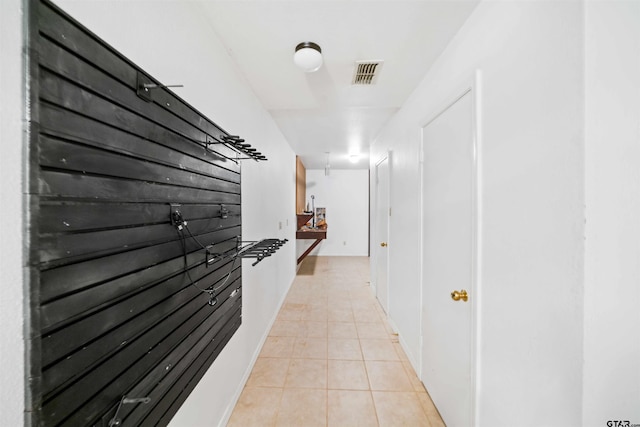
322, 112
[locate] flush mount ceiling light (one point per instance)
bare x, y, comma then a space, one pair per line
308, 56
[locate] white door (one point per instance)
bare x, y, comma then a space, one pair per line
448, 243
381, 239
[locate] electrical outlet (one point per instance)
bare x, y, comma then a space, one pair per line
174, 213
280, 225
344, 243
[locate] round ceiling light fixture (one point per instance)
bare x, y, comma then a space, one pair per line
308, 56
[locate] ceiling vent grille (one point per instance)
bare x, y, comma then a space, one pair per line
366, 72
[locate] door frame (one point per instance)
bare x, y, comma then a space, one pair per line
471, 85
386, 156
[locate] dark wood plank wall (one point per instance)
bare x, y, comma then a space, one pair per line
112, 311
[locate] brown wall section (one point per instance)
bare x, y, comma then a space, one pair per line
301, 186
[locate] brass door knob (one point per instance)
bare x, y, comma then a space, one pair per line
461, 295
383, 244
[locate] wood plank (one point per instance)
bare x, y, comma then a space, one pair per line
167, 108
61, 281
70, 217
308, 251
61, 344
75, 306
86, 130
69, 33
77, 364
105, 399
79, 85
164, 381
58, 184
311, 234
64, 94
69, 406
180, 392
75, 38
81, 246
62, 155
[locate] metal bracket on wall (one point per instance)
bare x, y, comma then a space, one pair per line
145, 87
255, 249
115, 421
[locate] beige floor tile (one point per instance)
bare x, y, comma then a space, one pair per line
342, 330
399, 351
338, 296
298, 295
285, 328
344, 349
313, 329
399, 409
310, 348
303, 407
370, 330
307, 373
257, 407
390, 330
378, 350
362, 294
349, 408
268, 372
413, 377
388, 376
294, 307
347, 375
278, 347
362, 301
316, 313
366, 314
333, 359
436, 421
430, 409
289, 315
336, 314
338, 290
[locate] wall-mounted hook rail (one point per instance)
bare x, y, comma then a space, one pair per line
145, 87
262, 249
238, 145
115, 421
155, 86
253, 249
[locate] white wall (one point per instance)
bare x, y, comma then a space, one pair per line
345, 194
175, 44
532, 206
612, 274
11, 310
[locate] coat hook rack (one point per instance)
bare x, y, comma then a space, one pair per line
258, 250
115, 421
238, 145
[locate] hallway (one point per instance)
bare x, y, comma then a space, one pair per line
331, 359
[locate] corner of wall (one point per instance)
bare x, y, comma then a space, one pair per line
12, 335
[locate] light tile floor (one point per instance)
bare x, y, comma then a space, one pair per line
331, 358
